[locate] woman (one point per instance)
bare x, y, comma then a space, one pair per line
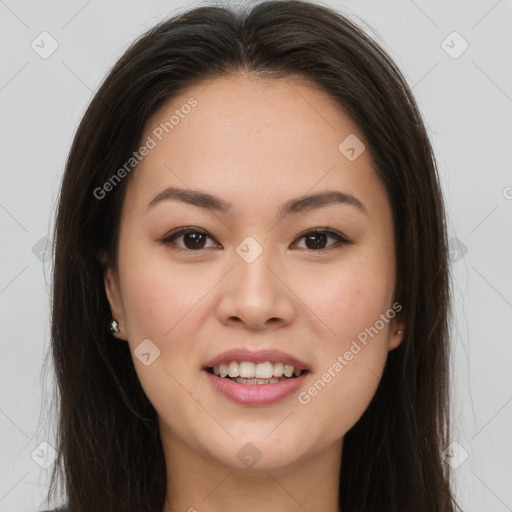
251, 294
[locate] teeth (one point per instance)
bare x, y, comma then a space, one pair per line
247, 372
223, 370
234, 369
264, 370
288, 370
278, 369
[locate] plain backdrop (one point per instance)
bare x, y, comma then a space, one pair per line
463, 84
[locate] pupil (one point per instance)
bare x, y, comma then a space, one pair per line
195, 238
316, 236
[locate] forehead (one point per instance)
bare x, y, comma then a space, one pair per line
252, 141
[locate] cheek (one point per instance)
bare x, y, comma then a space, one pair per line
158, 296
340, 402
349, 369
167, 305
349, 299
161, 304
355, 301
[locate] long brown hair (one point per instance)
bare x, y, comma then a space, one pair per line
110, 456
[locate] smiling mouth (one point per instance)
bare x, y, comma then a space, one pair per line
252, 374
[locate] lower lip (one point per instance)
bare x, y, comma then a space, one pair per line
256, 394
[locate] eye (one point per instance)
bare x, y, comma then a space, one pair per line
193, 238
315, 239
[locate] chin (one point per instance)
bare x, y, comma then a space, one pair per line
252, 452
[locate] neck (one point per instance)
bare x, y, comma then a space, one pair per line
199, 484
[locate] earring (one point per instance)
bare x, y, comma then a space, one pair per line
399, 332
114, 326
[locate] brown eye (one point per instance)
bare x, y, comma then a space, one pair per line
193, 239
316, 240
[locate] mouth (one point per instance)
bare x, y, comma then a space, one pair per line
253, 391
258, 378
249, 373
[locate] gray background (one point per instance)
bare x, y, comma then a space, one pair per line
466, 101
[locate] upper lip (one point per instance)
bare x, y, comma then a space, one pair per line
260, 356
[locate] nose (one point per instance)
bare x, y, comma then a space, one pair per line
257, 295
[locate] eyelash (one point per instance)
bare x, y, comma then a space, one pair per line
169, 239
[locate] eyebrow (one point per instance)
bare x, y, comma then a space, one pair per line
293, 206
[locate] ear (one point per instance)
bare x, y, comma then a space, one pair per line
112, 290
396, 332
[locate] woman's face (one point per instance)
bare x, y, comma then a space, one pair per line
266, 272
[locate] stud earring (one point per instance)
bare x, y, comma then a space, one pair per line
114, 326
399, 332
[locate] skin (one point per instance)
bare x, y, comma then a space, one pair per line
255, 143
